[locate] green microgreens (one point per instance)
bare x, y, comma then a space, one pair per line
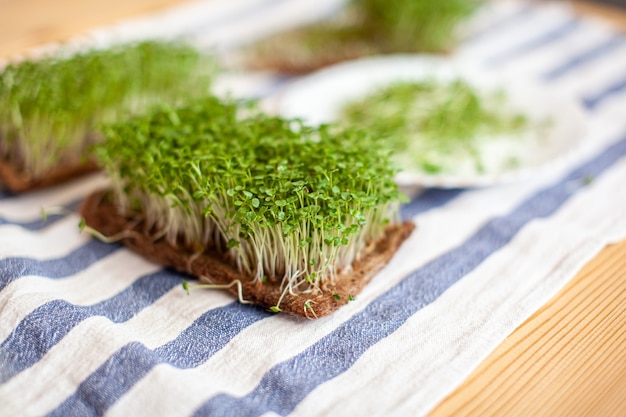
48, 108
271, 194
412, 26
371, 27
430, 124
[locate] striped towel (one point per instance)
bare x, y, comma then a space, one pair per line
88, 328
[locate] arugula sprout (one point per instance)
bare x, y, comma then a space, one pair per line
283, 202
49, 107
429, 123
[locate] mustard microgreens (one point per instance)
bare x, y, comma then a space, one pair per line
412, 26
430, 124
283, 202
48, 108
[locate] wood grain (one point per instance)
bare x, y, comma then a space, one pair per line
602, 11
568, 359
26, 24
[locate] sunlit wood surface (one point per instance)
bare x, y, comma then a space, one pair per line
568, 359
28, 23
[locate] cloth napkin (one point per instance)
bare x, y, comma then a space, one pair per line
88, 328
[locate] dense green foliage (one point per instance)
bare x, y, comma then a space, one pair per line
411, 26
284, 201
48, 107
431, 124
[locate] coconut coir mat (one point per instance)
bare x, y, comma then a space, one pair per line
284, 54
19, 182
101, 215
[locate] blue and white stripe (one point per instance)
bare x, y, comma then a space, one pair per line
91, 329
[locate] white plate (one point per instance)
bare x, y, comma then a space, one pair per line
318, 98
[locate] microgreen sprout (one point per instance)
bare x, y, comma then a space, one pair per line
54, 210
412, 26
431, 124
308, 309
49, 107
284, 203
187, 288
185, 285
82, 226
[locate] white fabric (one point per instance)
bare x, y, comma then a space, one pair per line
93, 329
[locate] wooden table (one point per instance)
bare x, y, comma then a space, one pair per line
568, 359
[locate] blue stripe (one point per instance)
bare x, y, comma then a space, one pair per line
616, 88
81, 258
289, 382
206, 336
429, 199
215, 329
273, 86
537, 42
215, 23
504, 22
45, 326
40, 223
4, 193
593, 53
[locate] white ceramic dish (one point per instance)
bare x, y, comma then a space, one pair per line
318, 98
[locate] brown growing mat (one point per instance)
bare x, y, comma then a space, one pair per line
284, 55
19, 182
210, 267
